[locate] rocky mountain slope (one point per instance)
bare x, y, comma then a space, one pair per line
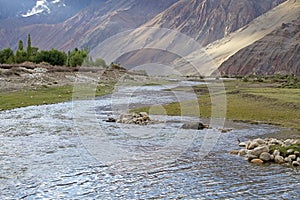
222, 27
210, 20
205, 21
226, 47
276, 53
91, 25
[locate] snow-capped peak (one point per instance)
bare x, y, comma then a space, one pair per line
43, 6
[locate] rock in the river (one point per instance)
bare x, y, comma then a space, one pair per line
265, 156
279, 159
145, 116
276, 152
234, 152
288, 141
259, 150
250, 157
257, 161
242, 144
293, 157
297, 153
296, 141
225, 130
275, 141
141, 118
111, 120
243, 152
259, 141
287, 159
296, 164
252, 145
194, 125
290, 151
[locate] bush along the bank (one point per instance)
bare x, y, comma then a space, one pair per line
282, 80
261, 151
74, 58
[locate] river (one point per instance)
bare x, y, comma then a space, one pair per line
67, 151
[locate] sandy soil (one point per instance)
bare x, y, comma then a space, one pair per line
30, 76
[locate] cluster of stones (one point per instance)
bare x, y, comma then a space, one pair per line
141, 118
258, 151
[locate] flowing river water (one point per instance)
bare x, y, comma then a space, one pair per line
50, 152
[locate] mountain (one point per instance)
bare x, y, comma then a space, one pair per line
203, 20
93, 23
210, 20
222, 28
276, 53
226, 47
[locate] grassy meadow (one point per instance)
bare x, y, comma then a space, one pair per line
247, 101
46, 95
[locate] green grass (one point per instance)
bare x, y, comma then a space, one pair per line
248, 102
281, 94
283, 150
44, 95
257, 108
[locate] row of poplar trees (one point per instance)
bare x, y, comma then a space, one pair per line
53, 57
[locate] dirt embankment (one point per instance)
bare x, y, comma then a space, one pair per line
30, 76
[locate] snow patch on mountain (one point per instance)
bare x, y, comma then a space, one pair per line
43, 6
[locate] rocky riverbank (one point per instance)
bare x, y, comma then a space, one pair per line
286, 152
26, 76
141, 118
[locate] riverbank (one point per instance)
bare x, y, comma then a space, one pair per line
34, 84
251, 102
44, 95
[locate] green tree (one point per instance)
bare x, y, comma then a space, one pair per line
76, 60
34, 51
100, 62
21, 56
20, 46
68, 58
77, 57
29, 48
53, 57
6, 56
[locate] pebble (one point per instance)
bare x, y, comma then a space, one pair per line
296, 164
257, 161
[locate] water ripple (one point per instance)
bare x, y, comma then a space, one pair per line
42, 157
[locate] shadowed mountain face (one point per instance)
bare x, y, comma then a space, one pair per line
276, 53
92, 22
210, 20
